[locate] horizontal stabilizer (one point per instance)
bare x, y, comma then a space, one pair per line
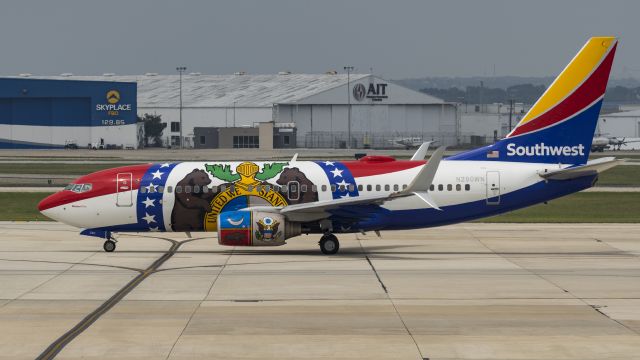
590, 168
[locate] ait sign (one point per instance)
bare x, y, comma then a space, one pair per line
374, 92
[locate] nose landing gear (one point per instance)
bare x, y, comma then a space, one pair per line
109, 246
329, 244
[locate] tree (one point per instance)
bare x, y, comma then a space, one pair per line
153, 128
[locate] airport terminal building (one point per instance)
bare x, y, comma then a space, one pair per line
44, 113
316, 105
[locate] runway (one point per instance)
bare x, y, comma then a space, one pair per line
469, 291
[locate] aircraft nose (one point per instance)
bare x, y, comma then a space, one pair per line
51, 206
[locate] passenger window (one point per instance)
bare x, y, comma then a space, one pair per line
333, 187
360, 187
387, 187
179, 189
324, 187
266, 188
404, 186
86, 187
342, 188
77, 188
303, 188
152, 189
432, 187
214, 189
160, 189
467, 187
223, 188
187, 189
250, 188
285, 189
378, 187
196, 189
351, 187
458, 187
169, 189
143, 190
396, 187
440, 187
314, 188
369, 187
449, 187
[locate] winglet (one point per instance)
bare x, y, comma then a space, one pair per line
421, 152
425, 177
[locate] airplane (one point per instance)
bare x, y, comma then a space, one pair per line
602, 143
406, 142
254, 203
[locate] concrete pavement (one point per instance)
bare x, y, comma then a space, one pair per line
469, 291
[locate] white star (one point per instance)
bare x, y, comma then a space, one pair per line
154, 229
148, 203
343, 183
328, 163
149, 218
157, 174
164, 165
336, 172
151, 186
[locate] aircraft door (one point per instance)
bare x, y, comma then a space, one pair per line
493, 188
123, 190
294, 190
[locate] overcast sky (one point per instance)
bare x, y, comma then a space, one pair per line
397, 38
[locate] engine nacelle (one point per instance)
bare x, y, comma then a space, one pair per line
254, 228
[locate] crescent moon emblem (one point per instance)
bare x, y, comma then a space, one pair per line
235, 223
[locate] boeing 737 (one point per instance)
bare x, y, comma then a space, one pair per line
254, 203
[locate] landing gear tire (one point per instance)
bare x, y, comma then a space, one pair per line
109, 246
329, 244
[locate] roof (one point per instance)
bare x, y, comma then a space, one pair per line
632, 113
212, 91
223, 90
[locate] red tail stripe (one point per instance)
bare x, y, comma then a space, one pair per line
586, 94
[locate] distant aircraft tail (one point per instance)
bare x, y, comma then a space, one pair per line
559, 127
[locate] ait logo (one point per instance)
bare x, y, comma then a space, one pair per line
267, 229
247, 180
113, 96
359, 92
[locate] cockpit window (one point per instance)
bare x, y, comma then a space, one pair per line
79, 188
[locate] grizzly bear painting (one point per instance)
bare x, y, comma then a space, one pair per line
191, 206
294, 174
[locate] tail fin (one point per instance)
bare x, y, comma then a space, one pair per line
559, 127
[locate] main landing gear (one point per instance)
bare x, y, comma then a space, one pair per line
329, 244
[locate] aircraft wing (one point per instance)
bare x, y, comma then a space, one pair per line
323, 209
590, 168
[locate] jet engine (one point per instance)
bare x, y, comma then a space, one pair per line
255, 228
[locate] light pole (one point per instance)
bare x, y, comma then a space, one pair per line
180, 70
349, 69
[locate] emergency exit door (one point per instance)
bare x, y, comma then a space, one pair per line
493, 188
123, 190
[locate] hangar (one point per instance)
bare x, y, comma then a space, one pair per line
316, 104
45, 113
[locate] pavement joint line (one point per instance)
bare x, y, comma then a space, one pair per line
195, 308
404, 324
542, 277
71, 265
59, 344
